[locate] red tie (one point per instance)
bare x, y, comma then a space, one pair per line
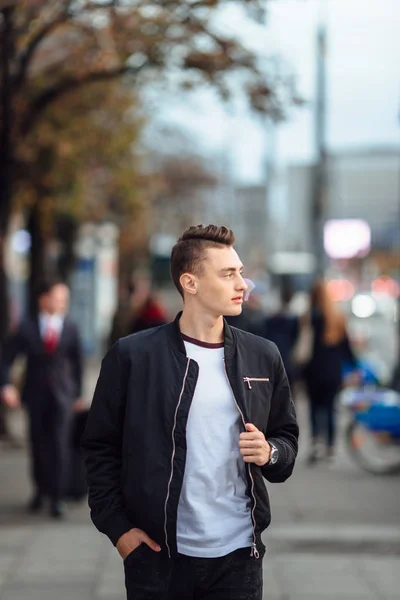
50, 339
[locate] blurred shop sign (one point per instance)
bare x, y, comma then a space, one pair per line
347, 238
83, 300
286, 263
94, 282
293, 269
161, 245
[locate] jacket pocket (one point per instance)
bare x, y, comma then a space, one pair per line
250, 380
136, 553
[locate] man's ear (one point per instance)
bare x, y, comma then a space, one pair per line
188, 283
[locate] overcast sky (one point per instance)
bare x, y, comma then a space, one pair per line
363, 71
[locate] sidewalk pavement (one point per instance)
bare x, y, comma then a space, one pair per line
335, 536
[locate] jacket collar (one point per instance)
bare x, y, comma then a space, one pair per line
175, 337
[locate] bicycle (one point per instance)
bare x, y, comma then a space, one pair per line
373, 433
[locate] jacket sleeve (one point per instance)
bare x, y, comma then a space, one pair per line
2, 370
77, 360
14, 346
102, 447
282, 429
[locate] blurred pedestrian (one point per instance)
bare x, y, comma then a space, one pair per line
282, 328
8, 400
122, 320
4, 402
251, 318
395, 379
8, 393
323, 374
52, 389
186, 420
138, 309
2, 375
150, 314
3, 427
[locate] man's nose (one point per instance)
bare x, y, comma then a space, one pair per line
243, 284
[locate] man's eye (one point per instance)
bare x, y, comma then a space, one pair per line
229, 275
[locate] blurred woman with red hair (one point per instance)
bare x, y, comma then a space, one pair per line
323, 373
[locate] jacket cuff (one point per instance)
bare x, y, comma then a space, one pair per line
282, 455
116, 526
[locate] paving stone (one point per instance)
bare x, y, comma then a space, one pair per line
66, 591
44, 560
319, 575
382, 573
6, 560
111, 583
14, 537
271, 585
59, 554
328, 595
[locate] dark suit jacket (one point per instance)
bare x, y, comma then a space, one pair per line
2, 374
58, 373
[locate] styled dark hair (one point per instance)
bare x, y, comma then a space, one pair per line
188, 253
43, 288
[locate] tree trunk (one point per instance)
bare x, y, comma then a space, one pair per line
6, 48
37, 267
65, 232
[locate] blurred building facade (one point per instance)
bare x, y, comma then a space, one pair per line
363, 184
273, 222
366, 185
250, 223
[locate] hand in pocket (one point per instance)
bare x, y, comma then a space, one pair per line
132, 539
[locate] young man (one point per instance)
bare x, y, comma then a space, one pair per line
186, 420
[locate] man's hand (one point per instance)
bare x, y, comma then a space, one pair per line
253, 446
10, 396
132, 539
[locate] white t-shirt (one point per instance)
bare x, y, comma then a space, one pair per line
214, 511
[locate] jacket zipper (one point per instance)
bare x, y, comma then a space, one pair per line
173, 456
254, 552
248, 380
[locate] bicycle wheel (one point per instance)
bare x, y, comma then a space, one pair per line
375, 452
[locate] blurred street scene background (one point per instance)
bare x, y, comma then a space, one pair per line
124, 122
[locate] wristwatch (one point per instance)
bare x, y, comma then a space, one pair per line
273, 457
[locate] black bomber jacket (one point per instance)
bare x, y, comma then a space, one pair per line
135, 439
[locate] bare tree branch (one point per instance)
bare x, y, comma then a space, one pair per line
103, 6
68, 85
6, 111
34, 43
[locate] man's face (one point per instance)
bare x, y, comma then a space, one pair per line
45, 304
60, 299
220, 287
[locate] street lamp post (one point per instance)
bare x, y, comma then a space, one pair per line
320, 180
320, 183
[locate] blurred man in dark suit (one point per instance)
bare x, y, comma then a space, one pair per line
51, 391
3, 425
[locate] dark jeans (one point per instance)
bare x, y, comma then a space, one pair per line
322, 412
149, 576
